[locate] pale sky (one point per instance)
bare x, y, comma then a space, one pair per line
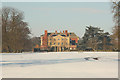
71, 16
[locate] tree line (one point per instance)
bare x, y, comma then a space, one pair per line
16, 33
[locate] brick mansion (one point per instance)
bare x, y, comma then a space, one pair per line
57, 41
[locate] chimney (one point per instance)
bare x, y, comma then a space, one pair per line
66, 32
63, 31
46, 32
55, 32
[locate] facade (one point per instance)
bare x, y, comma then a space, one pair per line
62, 41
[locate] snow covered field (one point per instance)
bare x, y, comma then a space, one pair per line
60, 65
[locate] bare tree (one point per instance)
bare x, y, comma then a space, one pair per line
15, 32
116, 19
36, 41
0, 31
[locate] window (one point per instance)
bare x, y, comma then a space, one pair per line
66, 39
54, 43
62, 43
50, 39
62, 39
58, 39
73, 42
66, 43
63, 35
50, 43
54, 35
58, 43
54, 39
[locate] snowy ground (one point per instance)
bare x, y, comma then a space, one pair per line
59, 65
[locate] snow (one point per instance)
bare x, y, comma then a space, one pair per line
60, 65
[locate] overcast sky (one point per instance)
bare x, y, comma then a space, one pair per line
71, 16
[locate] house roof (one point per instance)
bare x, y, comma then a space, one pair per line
71, 34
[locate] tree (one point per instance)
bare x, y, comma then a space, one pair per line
116, 19
0, 32
35, 41
15, 32
96, 39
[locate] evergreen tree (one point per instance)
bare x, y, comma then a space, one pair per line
96, 39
